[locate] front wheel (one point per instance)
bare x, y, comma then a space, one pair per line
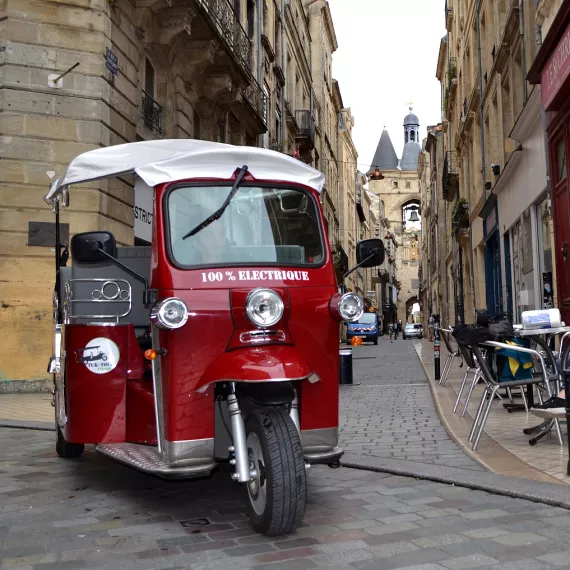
277, 494
376, 340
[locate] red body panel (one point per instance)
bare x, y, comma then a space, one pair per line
95, 403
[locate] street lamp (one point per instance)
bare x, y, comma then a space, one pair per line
376, 175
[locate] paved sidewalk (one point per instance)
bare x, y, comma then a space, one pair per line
503, 448
95, 513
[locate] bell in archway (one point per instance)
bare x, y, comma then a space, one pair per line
414, 216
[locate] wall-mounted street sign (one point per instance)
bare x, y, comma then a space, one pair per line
111, 62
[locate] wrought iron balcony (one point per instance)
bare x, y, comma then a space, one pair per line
256, 99
152, 112
450, 175
223, 19
306, 122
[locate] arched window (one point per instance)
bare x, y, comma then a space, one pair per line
406, 136
412, 136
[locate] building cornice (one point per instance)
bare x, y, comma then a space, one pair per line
441, 59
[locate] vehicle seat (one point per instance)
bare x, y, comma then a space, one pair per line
86, 310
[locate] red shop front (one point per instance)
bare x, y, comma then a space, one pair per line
551, 69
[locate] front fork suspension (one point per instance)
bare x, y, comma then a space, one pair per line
244, 473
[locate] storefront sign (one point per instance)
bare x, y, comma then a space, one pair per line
143, 210
556, 71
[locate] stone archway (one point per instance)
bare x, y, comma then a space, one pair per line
409, 304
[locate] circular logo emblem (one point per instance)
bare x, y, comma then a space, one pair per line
101, 355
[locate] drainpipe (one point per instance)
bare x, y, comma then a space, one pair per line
472, 268
523, 50
481, 110
283, 68
259, 41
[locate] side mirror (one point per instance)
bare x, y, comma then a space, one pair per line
370, 248
85, 247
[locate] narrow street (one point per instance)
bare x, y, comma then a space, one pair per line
94, 513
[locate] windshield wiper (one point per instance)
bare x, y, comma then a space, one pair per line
218, 213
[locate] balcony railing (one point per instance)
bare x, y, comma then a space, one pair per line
450, 175
152, 112
224, 20
256, 98
306, 122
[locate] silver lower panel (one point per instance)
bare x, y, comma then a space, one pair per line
321, 445
188, 453
147, 459
330, 456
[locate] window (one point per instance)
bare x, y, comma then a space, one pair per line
395, 183
221, 135
278, 130
250, 18
149, 79
560, 160
412, 136
262, 225
408, 184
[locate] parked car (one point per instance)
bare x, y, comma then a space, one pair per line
366, 327
413, 330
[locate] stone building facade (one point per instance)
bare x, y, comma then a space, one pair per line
399, 192
495, 173
79, 75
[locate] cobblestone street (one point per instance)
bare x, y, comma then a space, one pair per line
94, 513
391, 413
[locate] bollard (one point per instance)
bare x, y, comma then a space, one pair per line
345, 366
436, 353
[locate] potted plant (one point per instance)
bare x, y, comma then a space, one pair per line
460, 215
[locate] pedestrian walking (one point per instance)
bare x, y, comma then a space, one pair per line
391, 331
396, 330
431, 322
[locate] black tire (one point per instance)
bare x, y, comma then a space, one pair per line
281, 473
376, 340
64, 448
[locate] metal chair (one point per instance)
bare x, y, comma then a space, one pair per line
452, 354
472, 368
492, 386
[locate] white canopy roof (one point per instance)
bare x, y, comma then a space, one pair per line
169, 160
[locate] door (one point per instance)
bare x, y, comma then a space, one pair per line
493, 275
561, 214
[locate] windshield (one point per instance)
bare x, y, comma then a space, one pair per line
368, 319
260, 226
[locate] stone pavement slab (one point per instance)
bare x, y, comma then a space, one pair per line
94, 513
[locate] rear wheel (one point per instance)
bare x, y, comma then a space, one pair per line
66, 449
277, 494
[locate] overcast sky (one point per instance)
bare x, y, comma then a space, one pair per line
387, 57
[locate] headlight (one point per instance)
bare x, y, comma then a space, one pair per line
172, 313
351, 307
264, 307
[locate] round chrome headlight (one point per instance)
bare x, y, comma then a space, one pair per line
264, 307
172, 313
351, 307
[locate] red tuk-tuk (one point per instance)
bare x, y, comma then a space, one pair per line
219, 342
